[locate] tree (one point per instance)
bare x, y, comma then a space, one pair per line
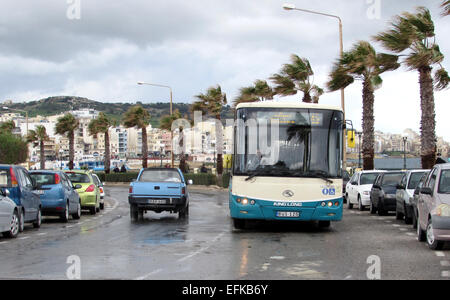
446, 6
101, 125
139, 117
166, 124
297, 77
212, 103
363, 63
7, 127
260, 91
38, 137
413, 37
67, 125
13, 149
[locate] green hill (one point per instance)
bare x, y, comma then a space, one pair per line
57, 105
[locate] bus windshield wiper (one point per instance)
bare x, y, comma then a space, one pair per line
319, 174
266, 172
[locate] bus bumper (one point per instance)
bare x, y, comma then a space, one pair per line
269, 210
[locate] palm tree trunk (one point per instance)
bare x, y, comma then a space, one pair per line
107, 153
307, 98
428, 122
42, 146
368, 126
144, 148
71, 149
219, 147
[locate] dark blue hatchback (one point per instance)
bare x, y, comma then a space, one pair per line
23, 191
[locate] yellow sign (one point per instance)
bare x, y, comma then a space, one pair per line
351, 141
227, 159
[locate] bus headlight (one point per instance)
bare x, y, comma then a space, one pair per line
442, 210
244, 201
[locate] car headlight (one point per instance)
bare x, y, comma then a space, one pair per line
442, 210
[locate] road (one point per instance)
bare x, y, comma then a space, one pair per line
206, 246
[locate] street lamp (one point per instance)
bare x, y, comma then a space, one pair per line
290, 6
171, 106
405, 139
359, 149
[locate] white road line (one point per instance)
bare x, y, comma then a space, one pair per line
277, 257
445, 263
445, 274
410, 234
395, 225
403, 229
202, 249
439, 254
2, 243
149, 274
388, 222
42, 234
24, 238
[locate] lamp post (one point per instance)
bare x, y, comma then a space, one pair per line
405, 139
290, 6
161, 155
359, 149
171, 106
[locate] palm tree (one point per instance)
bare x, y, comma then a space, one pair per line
166, 124
7, 127
38, 137
297, 77
446, 6
363, 63
67, 125
260, 91
101, 125
139, 117
413, 36
212, 103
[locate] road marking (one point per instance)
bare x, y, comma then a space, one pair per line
403, 229
2, 243
149, 274
24, 238
42, 234
265, 267
348, 277
202, 249
395, 225
410, 234
440, 254
277, 257
445, 263
445, 274
388, 222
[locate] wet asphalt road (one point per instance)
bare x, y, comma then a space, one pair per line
206, 246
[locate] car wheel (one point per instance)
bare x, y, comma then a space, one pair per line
421, 235
239, 223
399, 215
408, 219
134, 213
37, 223
431, 240
77, 215
414, 220
65, 215
183, 212
360, 206
349, 205
14, 227
22, 221
93, 210
102, 206
373, 210
324, 224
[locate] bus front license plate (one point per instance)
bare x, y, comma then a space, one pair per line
288, 214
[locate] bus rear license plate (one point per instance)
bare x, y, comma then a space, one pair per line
288, 214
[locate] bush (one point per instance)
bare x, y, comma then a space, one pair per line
13, 149
118, 177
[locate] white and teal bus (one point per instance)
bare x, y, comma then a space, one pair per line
287, 163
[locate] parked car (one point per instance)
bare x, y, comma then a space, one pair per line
358, 188
415, 198
383, 192
22, 191
434, 208
159, 190
89, 191
346, 179
58, 195
101, 189
405, 193
9, 214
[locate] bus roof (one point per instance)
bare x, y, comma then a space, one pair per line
275, 104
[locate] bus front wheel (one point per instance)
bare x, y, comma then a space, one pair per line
239, 223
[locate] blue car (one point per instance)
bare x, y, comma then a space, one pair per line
159, 190
23, 191
58, 195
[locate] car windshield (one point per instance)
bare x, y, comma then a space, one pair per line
444, 182
288, 143
160, 176
414, 180
4, 178
368, 178
43, 179
392, 179
78, 177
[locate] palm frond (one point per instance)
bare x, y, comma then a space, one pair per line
441, 79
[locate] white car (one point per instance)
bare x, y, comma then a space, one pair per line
358, 188
101, 188
9, 215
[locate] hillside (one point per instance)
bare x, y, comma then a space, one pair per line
57, 105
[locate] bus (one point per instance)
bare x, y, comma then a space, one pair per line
287, 163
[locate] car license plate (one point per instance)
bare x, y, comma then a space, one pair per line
40, 192
157, 201
288, 214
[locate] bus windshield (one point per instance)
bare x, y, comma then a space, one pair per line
288, 142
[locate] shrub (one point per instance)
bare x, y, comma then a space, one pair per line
13, 149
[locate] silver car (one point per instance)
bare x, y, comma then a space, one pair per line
434, 208
9, 216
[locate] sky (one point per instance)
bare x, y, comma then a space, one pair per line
100, 49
